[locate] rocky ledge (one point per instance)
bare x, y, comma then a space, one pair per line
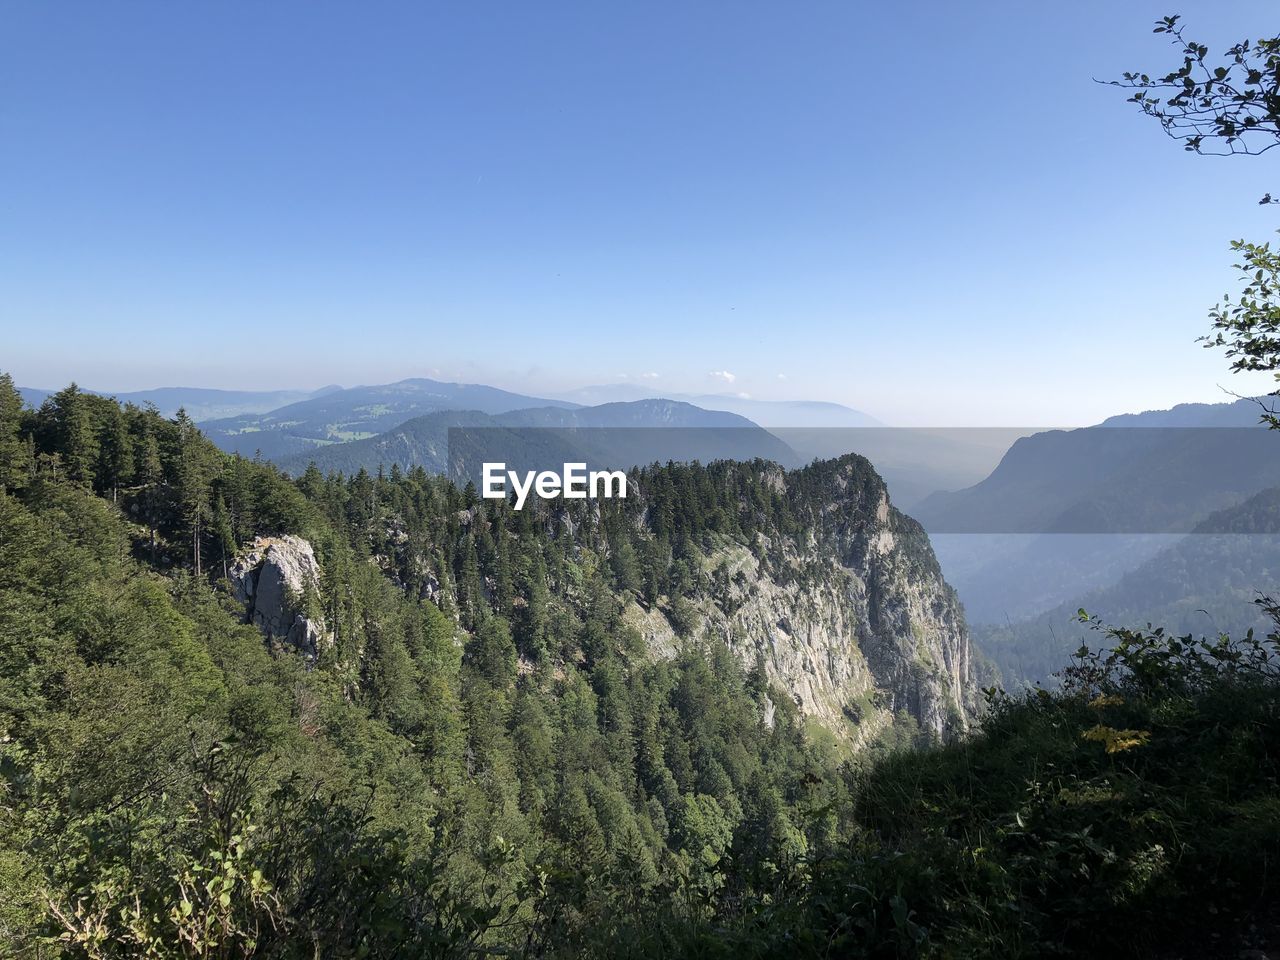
274, 577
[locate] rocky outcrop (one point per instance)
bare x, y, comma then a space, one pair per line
851, 615
810, 574
272, 577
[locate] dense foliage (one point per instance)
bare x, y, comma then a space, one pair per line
1133, 813
485, 759
501, 765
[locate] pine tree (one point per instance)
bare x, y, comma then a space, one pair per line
194, 471
492, 653
151, 473
503, 587
15, 457
534, 761
577, 826
625, 564
74, 438
470, 588
116, 455
533, 620
151, 467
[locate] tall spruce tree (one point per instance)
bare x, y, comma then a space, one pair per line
116, 451
68, 417
194, 476
15, 457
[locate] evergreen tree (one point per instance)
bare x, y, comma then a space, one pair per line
69, 422
116, 454
492, 653
15, 454
194, 478
151, 473
534, 618
531, 736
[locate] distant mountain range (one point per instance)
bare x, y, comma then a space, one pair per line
1137, 519
1239, 413
200, 403
1159, 472
1203, 584
407, 423
357, 413
616, 435
765, 413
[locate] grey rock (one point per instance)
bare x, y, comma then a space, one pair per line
857, 613
271, 577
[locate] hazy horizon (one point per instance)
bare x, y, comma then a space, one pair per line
664, 196
646, 386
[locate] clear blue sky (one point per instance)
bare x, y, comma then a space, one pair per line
928, 211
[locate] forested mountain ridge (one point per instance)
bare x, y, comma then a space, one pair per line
356, 412
483, 736
810, 574
831, 589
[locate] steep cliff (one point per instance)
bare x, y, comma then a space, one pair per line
810, 574
847, 610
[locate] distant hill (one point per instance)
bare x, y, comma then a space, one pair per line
1067, 512
765, 413
1203, 584
424, 441
614, 435
1132, 479
355, 414
200, 403
1004, 576
1239, 413
914, 461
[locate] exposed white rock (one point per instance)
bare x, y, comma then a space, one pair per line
271, 577
857, 609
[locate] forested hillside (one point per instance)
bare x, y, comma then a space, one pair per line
483, 726
490, 744
1207, 582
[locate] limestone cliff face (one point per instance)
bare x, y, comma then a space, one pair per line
810, 573
850, 614
272, 577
